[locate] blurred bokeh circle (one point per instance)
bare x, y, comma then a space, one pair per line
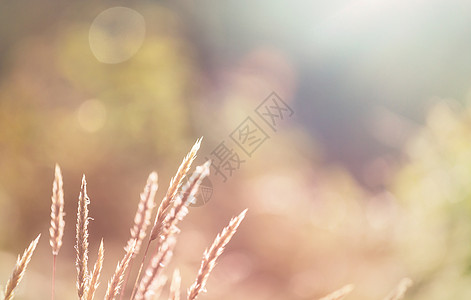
117, 34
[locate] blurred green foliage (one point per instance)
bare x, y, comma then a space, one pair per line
434, 190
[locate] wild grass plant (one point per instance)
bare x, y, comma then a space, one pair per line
152, 277
164, 234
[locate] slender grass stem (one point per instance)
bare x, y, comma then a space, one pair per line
134, 289
53, 276
128, 272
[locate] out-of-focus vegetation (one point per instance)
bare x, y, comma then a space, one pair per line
367, 183
434, 191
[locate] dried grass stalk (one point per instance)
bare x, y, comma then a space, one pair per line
81, 245
400, 290
95, 280
142, 221
210, 255
167, 216
144, 211
116, 281
340, 293
57, 212
19, 270
179, 209
151, 283
175, 286
175, 184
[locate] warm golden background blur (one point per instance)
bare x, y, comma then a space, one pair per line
367, 182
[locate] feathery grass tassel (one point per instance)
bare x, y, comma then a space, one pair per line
152, 283
164, 206
210, 255
175, 184
115, 283
56, 230
144, 211
340, 293
400, 290
142, 220
81, 246
175, 286
178, 211
19, 270
95, 280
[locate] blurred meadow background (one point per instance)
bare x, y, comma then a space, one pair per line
366, 182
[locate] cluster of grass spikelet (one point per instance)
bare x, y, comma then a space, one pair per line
164, 232
172, 209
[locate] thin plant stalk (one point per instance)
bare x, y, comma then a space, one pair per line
19, 270
340, 293
56, 230
82, 242
399, 292
141, 221
211, 255
176, 212
116, 281
134, 290
53, 276
175, 184
94, 281
153, 281
165, 204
